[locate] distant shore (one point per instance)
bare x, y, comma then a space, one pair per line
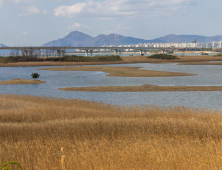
125, 60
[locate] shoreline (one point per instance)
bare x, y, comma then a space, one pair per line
125, 60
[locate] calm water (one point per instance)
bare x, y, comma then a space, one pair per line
207, 75
122, 54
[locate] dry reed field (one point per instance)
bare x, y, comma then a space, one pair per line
100, 136
147, 87
21, 81
121, 71
125, 60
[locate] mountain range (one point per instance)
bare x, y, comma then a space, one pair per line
76, 38
79, 39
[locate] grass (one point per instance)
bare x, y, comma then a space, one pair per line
21, 81
100, 136
121, 71
219, 54
147, 87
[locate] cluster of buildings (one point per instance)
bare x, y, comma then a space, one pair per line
193, 44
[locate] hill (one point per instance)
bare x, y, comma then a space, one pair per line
80, 39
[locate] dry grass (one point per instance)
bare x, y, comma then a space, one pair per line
125, 60
99, 136
121, 71
21, 81
147, 87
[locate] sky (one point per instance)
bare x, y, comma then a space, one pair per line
35, 22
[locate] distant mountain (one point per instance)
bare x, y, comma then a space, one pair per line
188, 38
4, 51
80, 39
74, 38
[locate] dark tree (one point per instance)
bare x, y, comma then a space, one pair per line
35, 75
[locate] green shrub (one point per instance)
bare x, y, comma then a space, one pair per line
35, 75
219, 54
163, 56
5, 166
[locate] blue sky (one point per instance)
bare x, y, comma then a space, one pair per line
35, 22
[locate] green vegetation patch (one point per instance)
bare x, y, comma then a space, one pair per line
163, 56
68, 58
219, 54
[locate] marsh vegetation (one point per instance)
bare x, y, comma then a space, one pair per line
163, 56
68, 58
101, 136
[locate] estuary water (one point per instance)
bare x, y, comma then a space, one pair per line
208, 75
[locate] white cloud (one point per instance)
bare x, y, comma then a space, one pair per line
78, 26
30, 10
124, 8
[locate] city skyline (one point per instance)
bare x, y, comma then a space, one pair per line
36, 22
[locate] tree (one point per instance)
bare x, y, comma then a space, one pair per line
35, 75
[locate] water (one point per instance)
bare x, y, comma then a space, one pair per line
122, 54
207, 76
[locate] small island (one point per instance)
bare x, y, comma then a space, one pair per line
147, 87
121, 71
21, 81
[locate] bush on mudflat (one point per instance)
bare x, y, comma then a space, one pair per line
163, 56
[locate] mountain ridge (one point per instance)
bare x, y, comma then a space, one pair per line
76, 38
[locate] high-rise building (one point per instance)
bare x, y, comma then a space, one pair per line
194, 41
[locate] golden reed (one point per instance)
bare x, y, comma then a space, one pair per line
101, 136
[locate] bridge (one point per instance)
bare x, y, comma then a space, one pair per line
61, 50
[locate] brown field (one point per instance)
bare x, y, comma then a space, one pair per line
100, 136
147, 87
125, 60
121, 71
21, 81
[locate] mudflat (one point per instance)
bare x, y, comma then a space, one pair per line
21, 81
121, 71
147, 87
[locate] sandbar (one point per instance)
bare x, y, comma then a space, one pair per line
21, 81
121, 71
147, 87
